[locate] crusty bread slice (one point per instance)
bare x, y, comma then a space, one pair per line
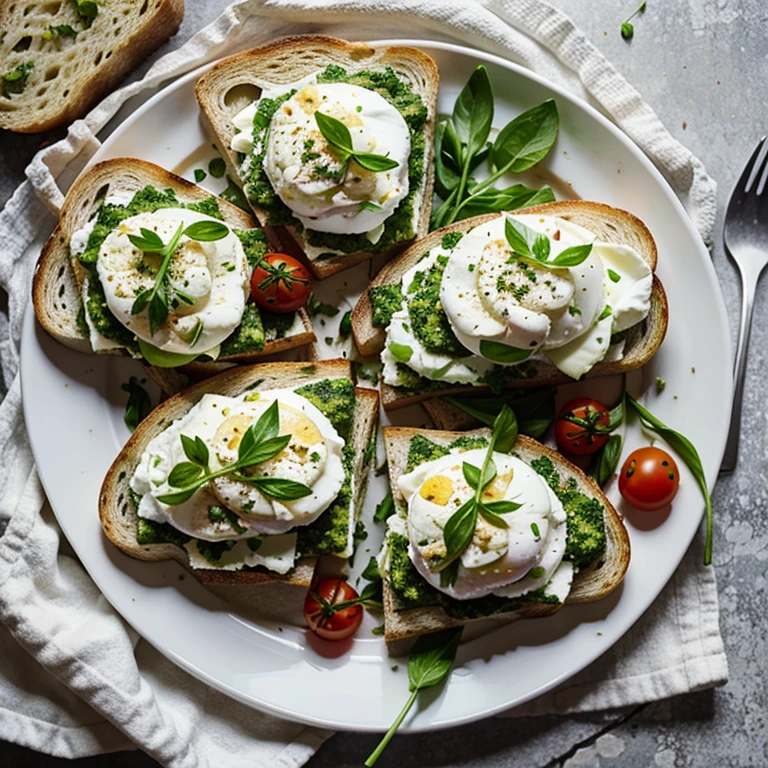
609, 224
71, 74
233, 83
56, 288
589, 585
118, 513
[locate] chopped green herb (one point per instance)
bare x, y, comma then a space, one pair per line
200, 174
660, 384
615, 276
217, 168
15, 81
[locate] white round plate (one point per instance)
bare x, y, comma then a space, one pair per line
74, 408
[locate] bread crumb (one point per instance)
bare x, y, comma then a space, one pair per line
693, 369
685, 125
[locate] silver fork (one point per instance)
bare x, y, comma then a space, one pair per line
746, 242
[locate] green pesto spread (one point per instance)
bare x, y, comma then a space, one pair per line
335, 398
585, 540
429, 323
329, 534
385, 301
398, 227
252, 333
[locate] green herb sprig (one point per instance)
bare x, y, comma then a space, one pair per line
59, 31
338, 136
627, 29
260, 443
461, 524
688, 453
163, 295
536, 247
461, 147
429, 663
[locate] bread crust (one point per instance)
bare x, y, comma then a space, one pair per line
288, 60
590, 584
608, 223
57, 283
71, 77
118, 515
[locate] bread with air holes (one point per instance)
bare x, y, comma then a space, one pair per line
232, 84
118, 512
72, 74
56, 288
609, 224
590, 584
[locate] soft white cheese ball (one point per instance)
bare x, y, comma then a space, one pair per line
304, 170
214, 274
496, 557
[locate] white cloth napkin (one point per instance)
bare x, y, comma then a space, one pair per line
74, 679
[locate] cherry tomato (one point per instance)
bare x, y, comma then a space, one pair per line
280, 283
323, 618
649, 479
576, 426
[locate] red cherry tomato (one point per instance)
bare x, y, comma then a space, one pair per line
323, 618
649, 479
280, 283
576, 426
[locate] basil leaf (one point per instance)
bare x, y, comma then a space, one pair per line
158, 312
502, 507
541, 247
177, 497
504, 430
446, 177
335, 132
518, 236
345, 326
572, 257
264, 451
432, 657
616, 414
604, 462
385, 509
473, 112
527, 139
488, 474
139, 404
373, 162
490, 516
401, 352
501, 353
495, 200
195, 450
145, 244
459, 529
471, 474
206, 231
429, 663
266, 427
184, 473
279, 488
141, 301
450, 573
688, 453
371, 572
161, 358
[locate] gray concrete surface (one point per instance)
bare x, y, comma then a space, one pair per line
702, 65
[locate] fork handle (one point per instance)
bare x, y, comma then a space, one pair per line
731, 455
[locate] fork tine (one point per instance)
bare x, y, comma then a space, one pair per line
755, 164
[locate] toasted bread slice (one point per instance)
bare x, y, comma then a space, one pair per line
118, 513
76, 63
589, 584
235, 82
57, 285
609, 224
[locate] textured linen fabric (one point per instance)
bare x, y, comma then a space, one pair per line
75, 680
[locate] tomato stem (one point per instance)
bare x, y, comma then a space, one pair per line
391, 732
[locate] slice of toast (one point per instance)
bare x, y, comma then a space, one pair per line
235, 82
590, 584
118, 512
608, 224
56, 288
77, 59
